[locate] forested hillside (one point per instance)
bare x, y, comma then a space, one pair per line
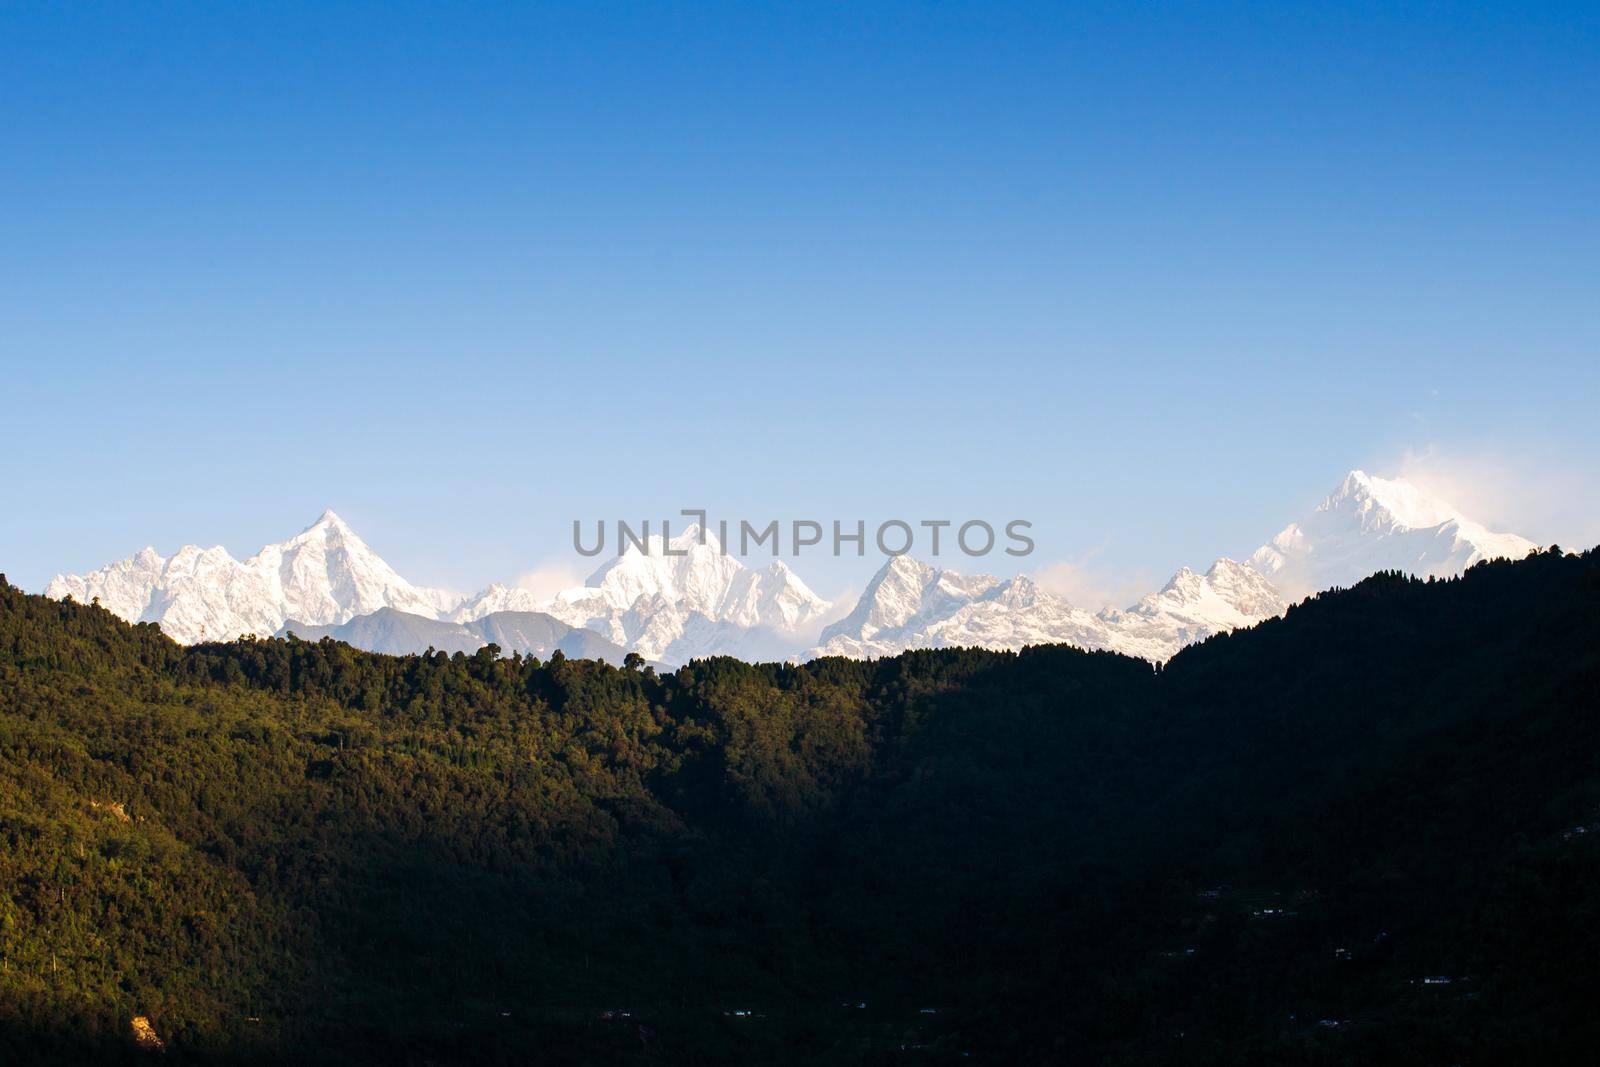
1368, 831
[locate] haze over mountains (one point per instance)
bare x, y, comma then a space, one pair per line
326, 581
532, 633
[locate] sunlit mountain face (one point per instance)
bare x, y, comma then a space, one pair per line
697, 601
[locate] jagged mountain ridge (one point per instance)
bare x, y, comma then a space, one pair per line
1191, 607
1366, 525
673, 606
324, 575
909, 604
684, 599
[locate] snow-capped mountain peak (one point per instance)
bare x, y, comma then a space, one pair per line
1192, 607
674, 598
669, 588
910, 604
904, 591
328, 520
494, 598
1370, 524
324, 575
681, 570
1387, 502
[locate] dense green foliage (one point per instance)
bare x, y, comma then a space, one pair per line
1256, 854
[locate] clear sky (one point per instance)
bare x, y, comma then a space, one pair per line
1151, 276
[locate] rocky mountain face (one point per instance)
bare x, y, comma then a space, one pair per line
682, 599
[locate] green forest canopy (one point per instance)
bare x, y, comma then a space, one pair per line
1275, 849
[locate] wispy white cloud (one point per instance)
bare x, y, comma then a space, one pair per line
548, 579
1547, 498
841, 605
1089, 584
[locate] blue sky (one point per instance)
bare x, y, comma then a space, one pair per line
1151, 276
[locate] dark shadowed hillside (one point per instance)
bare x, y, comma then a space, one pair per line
1366, 832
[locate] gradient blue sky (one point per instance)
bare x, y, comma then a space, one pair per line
1152, 276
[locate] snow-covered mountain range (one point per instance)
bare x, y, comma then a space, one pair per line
693, 601
912, 605
689, 603
1191, 607
324, 575
909, 604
